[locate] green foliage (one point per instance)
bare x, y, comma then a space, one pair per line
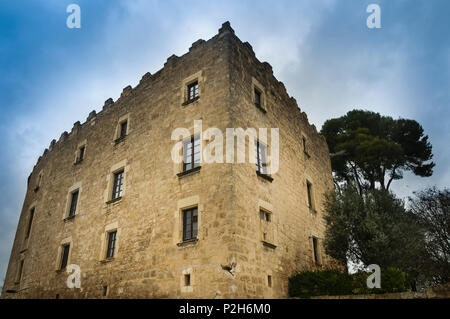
373, 228
367, 147
334, 283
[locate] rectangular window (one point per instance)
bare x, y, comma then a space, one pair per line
187, 280
123, 129
304, 144
257, 98
191, 153
73, 204
269, 280
309, 190
105, 291
81, 153
190, 224
19, 275
64, 256
192, 91
263, 215
315, 250
30, 223
111, 244
117, 185
261, 157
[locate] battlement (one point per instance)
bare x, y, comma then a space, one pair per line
147, 78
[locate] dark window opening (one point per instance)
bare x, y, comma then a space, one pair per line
191, 153
73, 204
105, 291
117, 185
64, 256
304, 144
261, 157
190, 223
30, 223
81, 153
111, 244
309, 190
257, 98
315, 250
193, 91
19, 277
123, 129
269, 280
187, 280
263, 215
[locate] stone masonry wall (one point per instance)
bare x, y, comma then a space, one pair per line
229, 259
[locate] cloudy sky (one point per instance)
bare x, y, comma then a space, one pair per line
52, 76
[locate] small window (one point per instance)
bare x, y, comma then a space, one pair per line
30, 223
269, 281
315, 250
123, 129
81, 153
118, 185
73, 204
263, 215
191, 153
64, 256
111, 244
105, 291
257, 98
310, 195
187, 280
19, 274
304, 144
190, 223
38, 182
261, 157
192, 91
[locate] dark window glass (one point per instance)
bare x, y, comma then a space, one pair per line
316, 254
190, 223
73, 204
187, 280
191, 153
81, 155
269, 280
257, 97
304, 144
111, 244
20, 270
64, 256
264, 215
123, 129
118, 185
192, 91
261, 157
105, 291
309, 189
30, 223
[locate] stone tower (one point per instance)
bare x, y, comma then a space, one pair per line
109, 198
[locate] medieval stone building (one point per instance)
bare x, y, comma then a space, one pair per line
109, 198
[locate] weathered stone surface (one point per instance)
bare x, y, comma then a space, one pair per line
230, 258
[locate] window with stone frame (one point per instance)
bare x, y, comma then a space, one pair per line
191, 153
118, 185
190, 223
30, 223
111, 248
192, 91
261, 157
73, 203
65, 250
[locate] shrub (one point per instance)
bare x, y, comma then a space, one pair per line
333, 282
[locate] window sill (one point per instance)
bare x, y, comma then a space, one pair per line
307, 154
119, 140
312, 210
107, 260
189, 172
115, 200
78, 162
60, 271
188, 242
191, 101
265, 176
267, 244
260, 108
69, 218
